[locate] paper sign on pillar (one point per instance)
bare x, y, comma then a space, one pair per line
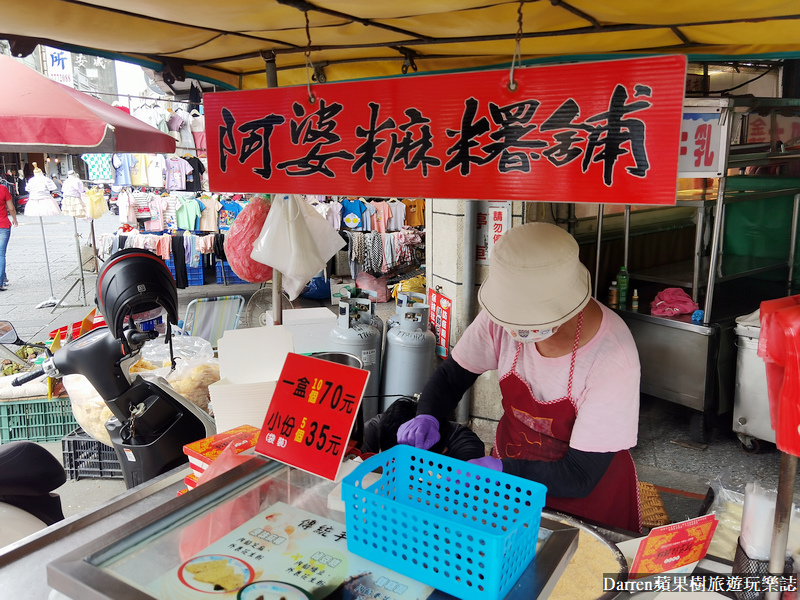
250, 363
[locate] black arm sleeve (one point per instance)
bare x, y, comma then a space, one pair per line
574, 476
444, 389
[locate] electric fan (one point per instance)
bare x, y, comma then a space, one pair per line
258, 311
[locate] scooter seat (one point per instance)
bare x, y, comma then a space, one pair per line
28, 469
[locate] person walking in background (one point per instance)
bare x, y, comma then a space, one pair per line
8, 218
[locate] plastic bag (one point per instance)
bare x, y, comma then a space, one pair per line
96, 205
379, 285
671, 302
297, 241
240, 239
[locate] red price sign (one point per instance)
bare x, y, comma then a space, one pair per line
312, 412
673, 546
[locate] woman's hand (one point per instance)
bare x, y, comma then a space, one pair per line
421, 432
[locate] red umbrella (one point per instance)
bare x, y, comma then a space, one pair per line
41, 115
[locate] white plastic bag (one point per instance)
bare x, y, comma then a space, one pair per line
297, 241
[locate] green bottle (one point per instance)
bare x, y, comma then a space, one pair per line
622, 285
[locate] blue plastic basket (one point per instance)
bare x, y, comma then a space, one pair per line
464, 529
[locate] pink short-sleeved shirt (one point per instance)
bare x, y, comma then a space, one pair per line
605, 385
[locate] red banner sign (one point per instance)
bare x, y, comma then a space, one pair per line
592, 132
311, 414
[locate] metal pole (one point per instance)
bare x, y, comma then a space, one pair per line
277, 299
51, 301
80, 259
600, 209
467, 291
783, 511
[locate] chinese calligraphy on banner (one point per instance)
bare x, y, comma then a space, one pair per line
493, 220
594, 132
439, 316
311, 414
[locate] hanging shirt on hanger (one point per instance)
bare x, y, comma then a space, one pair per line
194, 182
186, 213
209, 218
398, 217
177, 170
334, 215
139, 170
415, 212
99, 167
122, 164
353, 214
228, 214
381, 217
156, 168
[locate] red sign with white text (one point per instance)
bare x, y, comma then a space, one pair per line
311, 414
591, 132
439, 316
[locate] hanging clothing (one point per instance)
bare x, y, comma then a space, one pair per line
186, 213
415, 212
177, 170
398, 217
139, 170
228, 214
194, 181
99, 167
156, 168
122, 163
380, 219
198, 128
353, 214
209, 218
179, 258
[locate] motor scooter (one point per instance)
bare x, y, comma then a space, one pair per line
151, 422
29, 474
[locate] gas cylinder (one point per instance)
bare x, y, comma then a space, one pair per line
355, 335
408, 356
405, 299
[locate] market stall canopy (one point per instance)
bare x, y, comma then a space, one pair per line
41, 115
229, 42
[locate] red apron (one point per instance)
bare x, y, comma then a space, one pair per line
534, 430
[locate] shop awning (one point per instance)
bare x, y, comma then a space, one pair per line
40, 115
228, 42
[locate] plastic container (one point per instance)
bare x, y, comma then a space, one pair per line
613, 295
36, 420
86, 458
464, 529
229, 277
97, 321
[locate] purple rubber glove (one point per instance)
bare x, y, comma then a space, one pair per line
490, 462
421, 432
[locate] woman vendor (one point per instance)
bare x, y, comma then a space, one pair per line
569, 379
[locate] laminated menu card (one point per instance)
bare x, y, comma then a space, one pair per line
284, 552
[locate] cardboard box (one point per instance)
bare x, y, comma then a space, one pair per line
250, 362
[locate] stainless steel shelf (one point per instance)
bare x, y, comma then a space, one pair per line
730, 267
699, 198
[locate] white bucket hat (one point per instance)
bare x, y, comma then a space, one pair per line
536, 279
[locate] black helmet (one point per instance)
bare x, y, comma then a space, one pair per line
134, 281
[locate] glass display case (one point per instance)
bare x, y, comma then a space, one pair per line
200, 543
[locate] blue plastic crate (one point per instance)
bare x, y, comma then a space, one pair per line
230, 276
194, 275
464, 529
36, 420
